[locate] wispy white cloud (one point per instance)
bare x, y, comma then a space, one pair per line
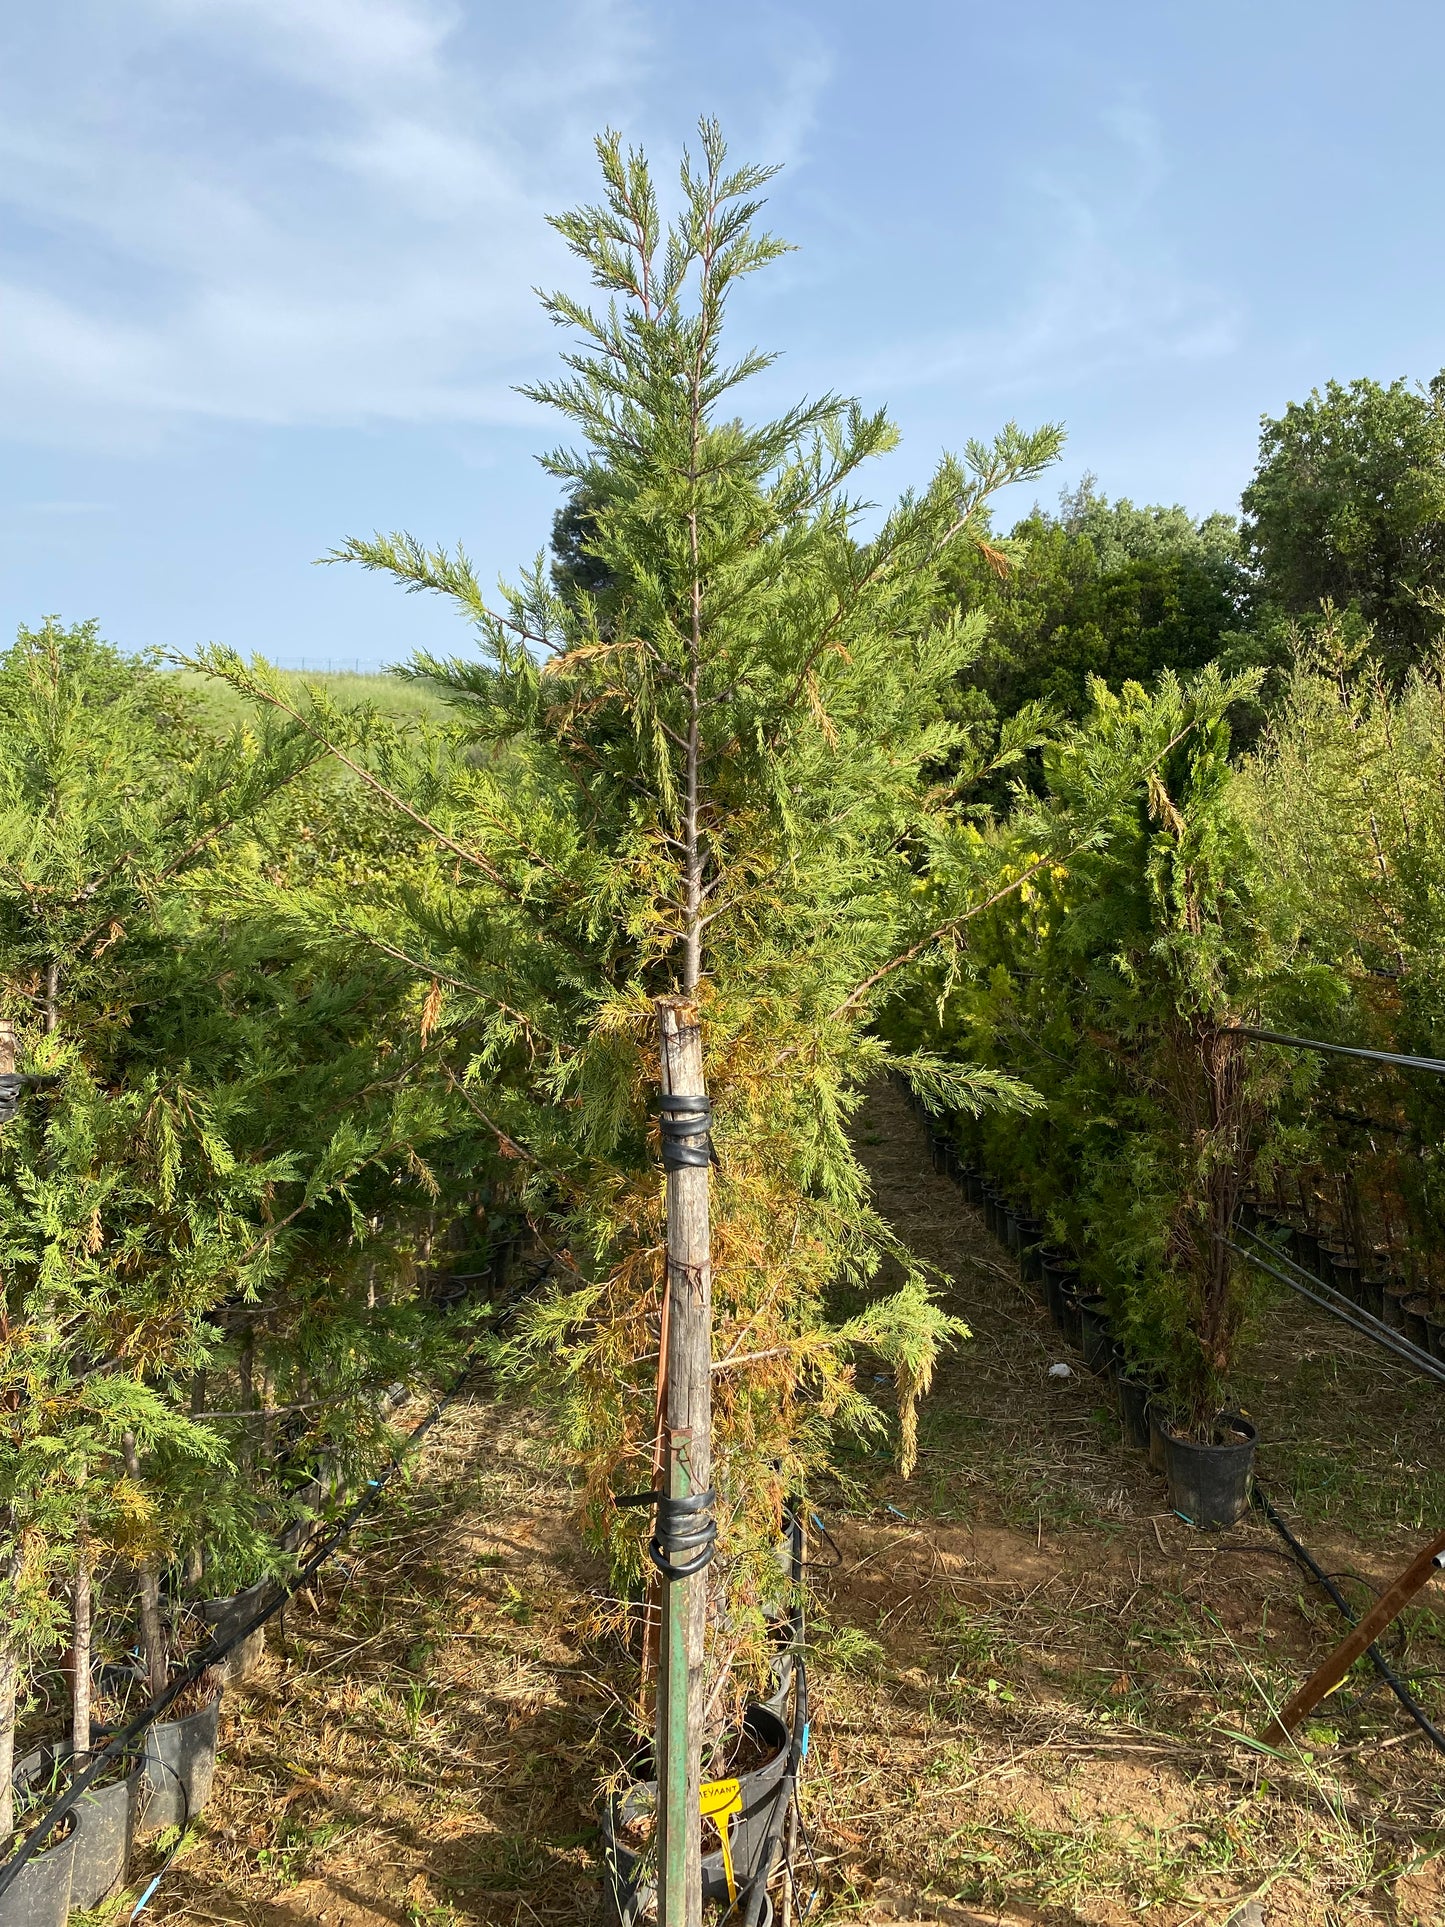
308, 211
1106, 288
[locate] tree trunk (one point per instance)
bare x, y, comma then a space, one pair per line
246, 1371
80, 1595
9, 1686
688, 1366
152, 1632
195, 1556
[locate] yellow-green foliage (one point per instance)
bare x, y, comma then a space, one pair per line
710, 762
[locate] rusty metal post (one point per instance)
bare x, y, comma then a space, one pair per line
1326, 1677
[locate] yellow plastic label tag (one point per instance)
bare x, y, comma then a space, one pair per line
720, 1796
719, 1800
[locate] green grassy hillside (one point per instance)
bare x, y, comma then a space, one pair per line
392, 694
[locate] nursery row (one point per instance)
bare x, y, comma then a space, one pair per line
1122, 992
149, 1768
229, 1183
1208, 1480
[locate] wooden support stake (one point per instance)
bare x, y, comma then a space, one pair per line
1326, 1677
9, 1643
688, 1413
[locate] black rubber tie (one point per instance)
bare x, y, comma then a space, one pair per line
684, 1532
686, 1127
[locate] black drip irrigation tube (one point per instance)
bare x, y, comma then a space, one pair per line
123, 1741
1381, 1665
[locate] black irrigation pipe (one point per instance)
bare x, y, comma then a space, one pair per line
1382, 1666
1397, 1058
216, 1650
1359, 1320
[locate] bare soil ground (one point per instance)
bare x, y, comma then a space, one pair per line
1033, 1685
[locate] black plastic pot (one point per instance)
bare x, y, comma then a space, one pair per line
1072, 1329
306, 1500
633, 1894
972, 1180
1372, 1294
1415, 1309
1134, 1411
1096, 1338
1435, 1329
1031, 1250
106, 1815
1304, 1248
103, 1843
225, 1616
1060, 1278
1157, 1420
938, 1152
1011, 1234
180, 1764
1345, 1274
991, 1208
1396, 1292
39, 1895
1209, 1484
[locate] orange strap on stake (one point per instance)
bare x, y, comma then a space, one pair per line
1330, 1673
719, 1800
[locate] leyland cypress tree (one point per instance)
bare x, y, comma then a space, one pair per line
707, 762
221, 1132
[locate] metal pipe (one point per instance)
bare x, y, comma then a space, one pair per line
1399, 1058
1360, 1321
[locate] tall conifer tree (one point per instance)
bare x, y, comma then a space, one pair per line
706, 762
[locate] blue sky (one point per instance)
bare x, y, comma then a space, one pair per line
266, 265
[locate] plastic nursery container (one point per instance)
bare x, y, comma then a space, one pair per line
107, 1818
631, 1881
1031, 1250
1158, 1418
1396, 1292
1345, 1274
39, 1895
1209, 1484
225, 1616
1304, 1248
1071, 1304
1134, 1396
180, 1764
1372, 1294
1096, 1335
1416, 1310
1060, 1289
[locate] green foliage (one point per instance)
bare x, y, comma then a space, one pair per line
1346, 798
1101, 590
211, 1200
1111, 980
1347, 507
696, 757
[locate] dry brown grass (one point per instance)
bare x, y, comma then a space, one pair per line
1027, 1689
424, 1741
